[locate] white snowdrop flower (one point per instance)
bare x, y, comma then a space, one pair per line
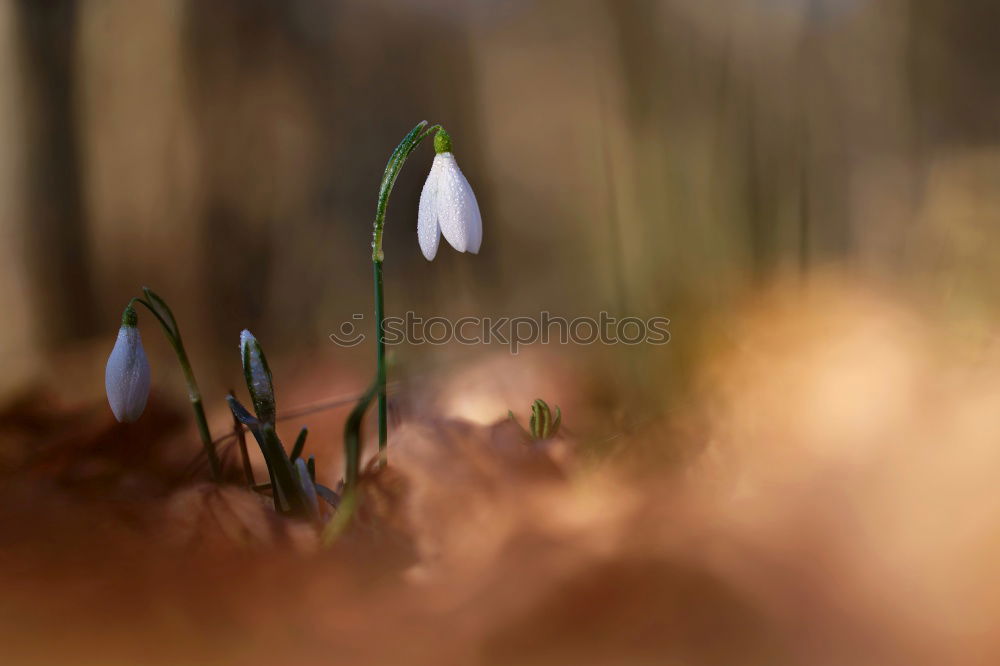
447, 205
126, 377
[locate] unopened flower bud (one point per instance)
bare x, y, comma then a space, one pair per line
258, 377
126, 377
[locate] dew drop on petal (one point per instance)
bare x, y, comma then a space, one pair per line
428, 231
453, 205
475, 221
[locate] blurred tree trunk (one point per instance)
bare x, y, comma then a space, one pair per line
56, 228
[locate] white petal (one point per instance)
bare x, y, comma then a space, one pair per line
476, 223
428, 231
126, 377
456, 205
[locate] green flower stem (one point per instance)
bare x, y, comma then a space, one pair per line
392, 168
174, 337
383, 422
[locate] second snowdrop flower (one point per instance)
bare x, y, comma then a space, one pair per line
126, 377
448, 206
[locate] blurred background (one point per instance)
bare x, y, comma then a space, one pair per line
648, 157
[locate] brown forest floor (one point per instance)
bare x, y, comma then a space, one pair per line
832, 500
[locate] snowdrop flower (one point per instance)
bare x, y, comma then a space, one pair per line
448, 205
126, 377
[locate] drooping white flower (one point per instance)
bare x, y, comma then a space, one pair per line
126, 377
447, 205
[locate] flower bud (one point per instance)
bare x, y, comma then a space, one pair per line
126, 377
258, 377
541, 423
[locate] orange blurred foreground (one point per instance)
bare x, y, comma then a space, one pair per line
830, 499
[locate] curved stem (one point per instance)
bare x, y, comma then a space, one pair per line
174, 337
392, 168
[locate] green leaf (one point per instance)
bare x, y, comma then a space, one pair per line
328, 495
285, 477
540, 411
305, 483
244, 416
288, 495
300, 443
352, 437
160, 308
